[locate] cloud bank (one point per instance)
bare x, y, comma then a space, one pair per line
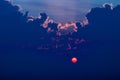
21, 29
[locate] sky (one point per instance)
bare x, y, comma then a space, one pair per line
22, 52
62, 10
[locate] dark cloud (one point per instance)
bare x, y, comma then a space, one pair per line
20, 28
104, 22
17, 27
103, 33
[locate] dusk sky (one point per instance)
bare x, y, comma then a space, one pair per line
62, 10
34, 47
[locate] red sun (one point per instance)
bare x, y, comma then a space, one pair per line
74, 60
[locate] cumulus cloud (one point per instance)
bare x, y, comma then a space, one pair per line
20, 28
104, 22
108, 6
68, 27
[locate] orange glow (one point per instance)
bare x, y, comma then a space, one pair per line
74, 60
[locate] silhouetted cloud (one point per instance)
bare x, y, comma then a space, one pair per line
103, 31
22, 29
104, 21
18, 28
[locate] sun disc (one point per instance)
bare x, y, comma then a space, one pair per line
74, 60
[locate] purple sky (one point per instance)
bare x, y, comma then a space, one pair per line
62, 10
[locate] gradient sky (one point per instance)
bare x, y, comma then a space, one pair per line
62, 10
98, 57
